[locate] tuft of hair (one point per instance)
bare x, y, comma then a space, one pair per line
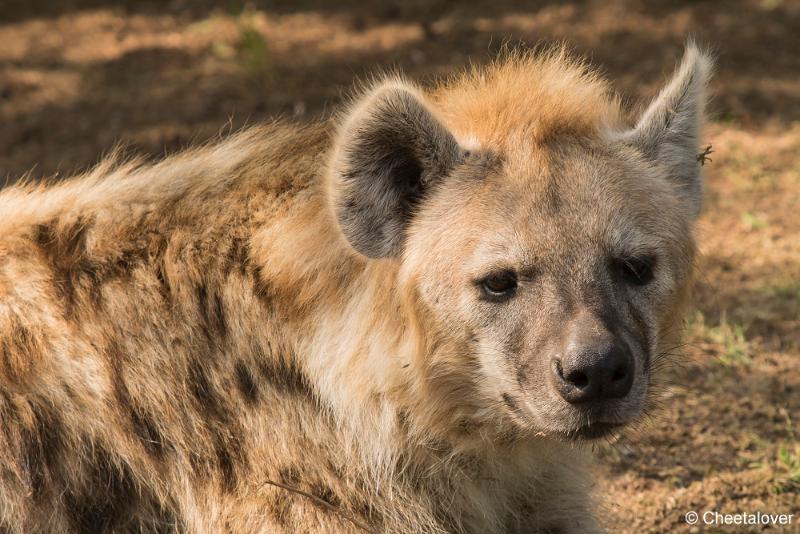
670, 130
679, 108
535, 95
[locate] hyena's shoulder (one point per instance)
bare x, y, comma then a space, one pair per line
70, 238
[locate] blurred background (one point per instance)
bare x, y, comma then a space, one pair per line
79, 76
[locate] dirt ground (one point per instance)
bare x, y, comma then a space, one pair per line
79, 76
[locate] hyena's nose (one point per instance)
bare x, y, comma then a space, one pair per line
593, 373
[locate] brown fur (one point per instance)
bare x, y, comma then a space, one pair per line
182, 342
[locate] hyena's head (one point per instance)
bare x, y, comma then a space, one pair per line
547, 246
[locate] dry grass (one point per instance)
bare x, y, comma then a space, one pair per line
77, 77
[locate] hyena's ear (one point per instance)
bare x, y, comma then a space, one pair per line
669, 132
389, 152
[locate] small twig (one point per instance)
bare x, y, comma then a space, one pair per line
702, 157
325, 504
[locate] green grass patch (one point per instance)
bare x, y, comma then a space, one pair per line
752, 221
788, 461
727, 341
252, 51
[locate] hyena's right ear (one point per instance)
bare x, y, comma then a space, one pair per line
669, 132
389, 153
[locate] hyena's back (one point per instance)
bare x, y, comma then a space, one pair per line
132, 346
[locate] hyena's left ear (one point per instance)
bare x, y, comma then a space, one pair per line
669, 132
389, 153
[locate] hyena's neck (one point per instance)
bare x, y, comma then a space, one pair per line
361, 349
361, 342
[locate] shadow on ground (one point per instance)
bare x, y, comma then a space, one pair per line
171, 72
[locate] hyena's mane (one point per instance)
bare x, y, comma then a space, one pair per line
529, 96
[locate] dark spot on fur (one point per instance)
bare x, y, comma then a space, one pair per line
224, 433
219, 315
108, 499
62, 248
203, 391
41, 446
113, 501
148, 433
285, 377
75, 273
247, 385
238, 256
142, 423
212, 314
324, 492
289, 475
262, 288
225, 463
163, 280
65, 252
229, 452
19, 352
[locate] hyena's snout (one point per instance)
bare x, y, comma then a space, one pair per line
593, 373
593, 366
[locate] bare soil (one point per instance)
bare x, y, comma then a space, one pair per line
78, 77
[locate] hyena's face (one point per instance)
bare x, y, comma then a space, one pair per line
555, 268
557, 278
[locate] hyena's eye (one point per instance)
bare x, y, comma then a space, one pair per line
636, 271
499, 285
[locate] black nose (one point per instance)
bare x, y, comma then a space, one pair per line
593, 374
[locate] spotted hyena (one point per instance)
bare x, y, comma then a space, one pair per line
410, 320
